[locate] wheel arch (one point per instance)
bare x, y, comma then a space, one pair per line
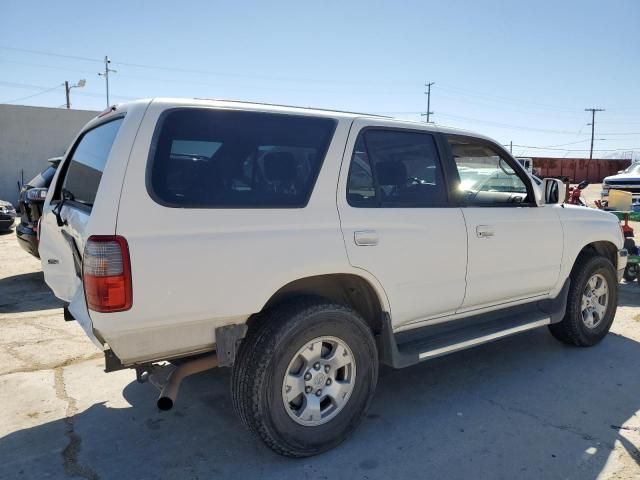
344, 288
602, 248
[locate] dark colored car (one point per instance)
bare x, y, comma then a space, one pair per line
31, 201
7, 215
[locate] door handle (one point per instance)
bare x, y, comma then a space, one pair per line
365, 238
484, 231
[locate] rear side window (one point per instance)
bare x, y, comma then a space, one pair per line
84, 171
205, 158
394, 168
43, 179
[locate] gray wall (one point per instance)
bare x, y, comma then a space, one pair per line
31, 135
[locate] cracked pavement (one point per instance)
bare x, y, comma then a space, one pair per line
523, 407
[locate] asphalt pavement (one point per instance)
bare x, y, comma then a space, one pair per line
526, 407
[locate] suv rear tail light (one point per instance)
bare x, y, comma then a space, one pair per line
106, 273
37, 194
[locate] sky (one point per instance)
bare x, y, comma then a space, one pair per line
518, 71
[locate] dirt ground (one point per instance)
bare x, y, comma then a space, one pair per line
523, 407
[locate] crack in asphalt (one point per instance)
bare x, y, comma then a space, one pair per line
36, 367
72, 466
565, 428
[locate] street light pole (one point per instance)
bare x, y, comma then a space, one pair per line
67, 89
105, 74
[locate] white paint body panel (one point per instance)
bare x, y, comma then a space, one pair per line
197, 269
421, 254
520, 259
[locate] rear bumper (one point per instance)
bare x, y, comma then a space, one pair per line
6, 223
27, 239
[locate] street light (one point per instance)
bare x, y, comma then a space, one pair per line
67, 88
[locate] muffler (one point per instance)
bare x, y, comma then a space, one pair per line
170, 389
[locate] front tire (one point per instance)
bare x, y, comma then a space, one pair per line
591, 303
304, 376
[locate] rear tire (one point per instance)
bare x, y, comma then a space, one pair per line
590, 311
286, 351
630, 273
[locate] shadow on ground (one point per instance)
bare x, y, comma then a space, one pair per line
26, 292
524, 407
629, 294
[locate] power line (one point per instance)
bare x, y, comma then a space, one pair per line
453, 89
577, 149
507, 126
51, 54
31, 96
85, 93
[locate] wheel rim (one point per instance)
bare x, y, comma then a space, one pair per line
319, 381
595, 299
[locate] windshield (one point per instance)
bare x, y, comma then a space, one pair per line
635, 168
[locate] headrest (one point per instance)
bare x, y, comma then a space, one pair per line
280, 167
391, 173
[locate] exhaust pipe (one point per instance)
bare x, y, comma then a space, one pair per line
170, 389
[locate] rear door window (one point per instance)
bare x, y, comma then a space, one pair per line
88, 158
206, 158
395, 168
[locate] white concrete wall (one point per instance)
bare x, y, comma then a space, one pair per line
31, 135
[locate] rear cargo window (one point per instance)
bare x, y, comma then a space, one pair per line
89, 156
205, 158
43, 179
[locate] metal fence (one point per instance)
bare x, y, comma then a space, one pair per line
578, 169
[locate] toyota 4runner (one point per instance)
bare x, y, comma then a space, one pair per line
303, 248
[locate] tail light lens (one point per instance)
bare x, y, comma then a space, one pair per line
106, 273
37, 193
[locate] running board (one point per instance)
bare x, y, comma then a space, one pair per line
435, 351
407, 348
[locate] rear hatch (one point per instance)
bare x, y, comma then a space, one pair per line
67, 214
33, 193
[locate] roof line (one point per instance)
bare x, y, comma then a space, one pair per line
291, 106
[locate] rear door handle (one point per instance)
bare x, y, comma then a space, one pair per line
365, 238
484, 231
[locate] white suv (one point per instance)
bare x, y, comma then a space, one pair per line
305, 247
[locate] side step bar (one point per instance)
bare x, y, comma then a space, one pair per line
472, 342
407, 348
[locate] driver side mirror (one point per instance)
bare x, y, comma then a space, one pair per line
555, 191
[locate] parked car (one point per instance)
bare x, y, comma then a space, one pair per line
7, 215
627, 180
303, 248
31, 201
527, 163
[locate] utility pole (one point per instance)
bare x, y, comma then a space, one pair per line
67, 89
428, 94
105, 74
511, 146
593, 125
